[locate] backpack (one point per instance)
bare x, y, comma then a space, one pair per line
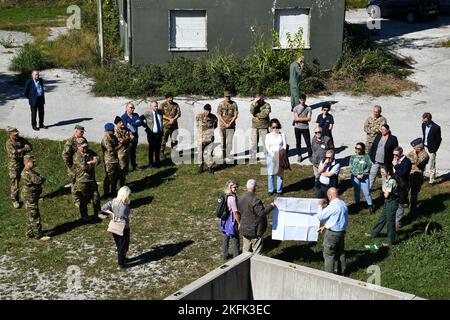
222, 207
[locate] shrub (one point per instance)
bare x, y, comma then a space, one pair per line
28, 58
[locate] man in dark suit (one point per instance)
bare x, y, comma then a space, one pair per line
432, 140
402, 169
153, 124
34, 91
381, 151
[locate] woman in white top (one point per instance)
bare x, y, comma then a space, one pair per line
275, 141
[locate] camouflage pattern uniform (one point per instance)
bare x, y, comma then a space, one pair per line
170, 110
15, 163
227, 110
260, 125
418, 162
206, 126
86, 186
111, 162
70, 148
31, 191
371, 127
125, 138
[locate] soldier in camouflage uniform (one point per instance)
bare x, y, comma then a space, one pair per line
16, 148
206, 123
125, 138
419, 159
260, 122
70, 148
84, 163
171, 113
227, 113
110, 147
31, 191
372, 126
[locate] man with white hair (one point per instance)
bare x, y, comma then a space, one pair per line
253, 219
372, 126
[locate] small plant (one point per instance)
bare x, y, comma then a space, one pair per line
7, 42
29, 58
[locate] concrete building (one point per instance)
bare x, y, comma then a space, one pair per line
155, 31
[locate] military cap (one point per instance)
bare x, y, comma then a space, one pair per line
417, 143
78, 127
169, 95
28, 158
13, 130
117, 120
109, 127
227, 94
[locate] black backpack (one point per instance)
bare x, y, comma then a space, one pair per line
222, 207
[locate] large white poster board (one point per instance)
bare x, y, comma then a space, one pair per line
293, 219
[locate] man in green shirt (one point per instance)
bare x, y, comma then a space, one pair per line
295, 72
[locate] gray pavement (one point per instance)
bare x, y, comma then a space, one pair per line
70, 102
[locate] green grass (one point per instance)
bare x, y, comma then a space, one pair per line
444, 44
29, 18
174, 231
354, 4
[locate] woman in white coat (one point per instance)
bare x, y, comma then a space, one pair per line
275, 141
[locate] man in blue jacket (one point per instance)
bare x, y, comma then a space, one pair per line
34, 91
132, 122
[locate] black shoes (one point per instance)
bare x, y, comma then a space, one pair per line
35, 128
43, 127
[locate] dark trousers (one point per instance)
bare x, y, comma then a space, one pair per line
415, 183
298, 137
321, 190
38, 109
226, 241
387, 217
154, 146
122, 244
334, 251
133, 148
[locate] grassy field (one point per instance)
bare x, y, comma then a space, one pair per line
354, 4
175, 237
29, 19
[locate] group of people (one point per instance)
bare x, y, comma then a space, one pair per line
381, 152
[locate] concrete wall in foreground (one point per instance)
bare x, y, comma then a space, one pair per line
279, 280
257, 277
230, 281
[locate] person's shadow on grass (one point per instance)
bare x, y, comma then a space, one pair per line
158, 253
69, 226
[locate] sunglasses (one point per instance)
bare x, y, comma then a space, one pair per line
358, 148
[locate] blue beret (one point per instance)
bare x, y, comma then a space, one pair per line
109, 127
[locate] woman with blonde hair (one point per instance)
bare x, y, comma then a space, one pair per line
229, 224
119, 208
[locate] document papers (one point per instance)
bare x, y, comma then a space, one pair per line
293, 219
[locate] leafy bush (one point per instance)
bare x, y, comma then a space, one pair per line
30, 57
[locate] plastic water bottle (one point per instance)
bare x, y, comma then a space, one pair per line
371, 246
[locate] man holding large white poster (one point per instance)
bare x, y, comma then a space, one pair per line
335, 219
